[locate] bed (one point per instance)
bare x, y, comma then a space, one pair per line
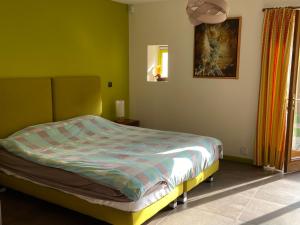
157, 178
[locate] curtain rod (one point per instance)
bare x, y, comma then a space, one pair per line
289, 7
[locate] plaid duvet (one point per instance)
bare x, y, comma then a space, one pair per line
129, 159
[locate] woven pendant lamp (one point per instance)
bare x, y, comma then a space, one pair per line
207, 11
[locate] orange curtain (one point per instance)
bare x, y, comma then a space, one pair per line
271, 122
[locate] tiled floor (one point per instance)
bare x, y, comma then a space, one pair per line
241, 194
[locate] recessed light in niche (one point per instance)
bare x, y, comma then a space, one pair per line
158, 63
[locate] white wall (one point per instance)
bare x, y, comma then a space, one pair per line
225, 109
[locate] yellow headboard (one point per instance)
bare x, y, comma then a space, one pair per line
76, 96
24, 102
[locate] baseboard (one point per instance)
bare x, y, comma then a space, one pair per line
238, 159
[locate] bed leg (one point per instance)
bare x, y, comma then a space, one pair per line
210, 179
183, 198
173, 204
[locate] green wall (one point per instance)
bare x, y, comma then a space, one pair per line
67, 37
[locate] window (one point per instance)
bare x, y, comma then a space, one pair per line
158, 63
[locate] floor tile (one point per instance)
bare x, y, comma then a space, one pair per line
289, 215
258, 208
230, 206
196, 217
277, 194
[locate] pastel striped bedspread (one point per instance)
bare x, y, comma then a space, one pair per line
128, 159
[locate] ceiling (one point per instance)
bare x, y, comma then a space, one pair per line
135, 1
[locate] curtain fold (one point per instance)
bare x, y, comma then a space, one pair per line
275, 63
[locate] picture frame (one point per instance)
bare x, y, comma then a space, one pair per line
217, 49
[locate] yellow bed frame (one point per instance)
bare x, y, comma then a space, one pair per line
41, 100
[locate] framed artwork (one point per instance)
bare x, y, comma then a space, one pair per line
217, 49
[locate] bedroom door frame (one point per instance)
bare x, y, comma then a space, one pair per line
291, 165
